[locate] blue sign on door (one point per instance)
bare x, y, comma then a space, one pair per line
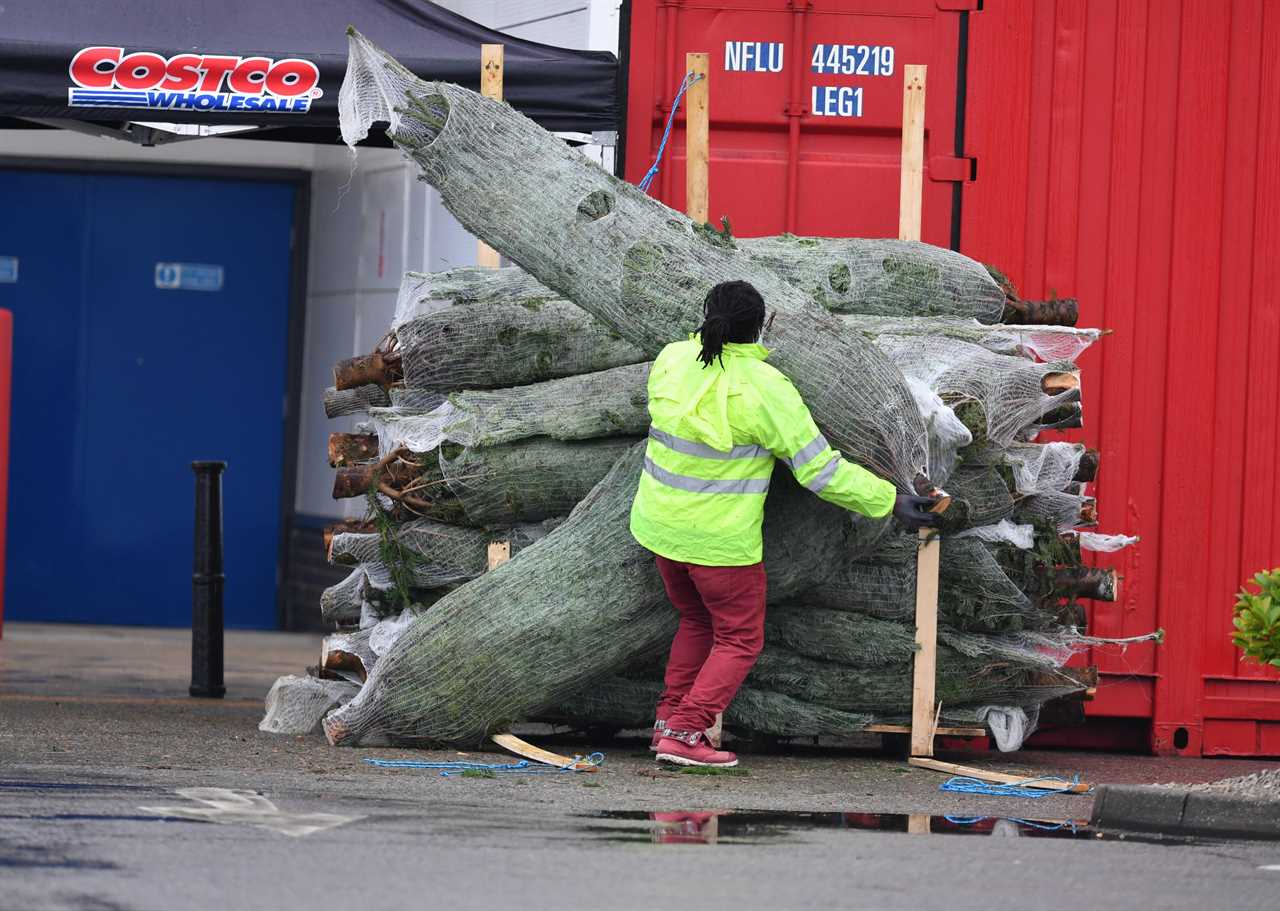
188, 277
8, 269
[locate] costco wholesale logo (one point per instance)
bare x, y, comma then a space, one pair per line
106, 77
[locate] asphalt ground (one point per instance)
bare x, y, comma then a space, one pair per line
117, 791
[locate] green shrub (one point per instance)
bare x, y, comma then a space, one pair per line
1257, 619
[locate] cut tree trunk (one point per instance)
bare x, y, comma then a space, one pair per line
1087, 582
1088, 470
1062, 311
1060, 382
350, 448
376, 369
525, 481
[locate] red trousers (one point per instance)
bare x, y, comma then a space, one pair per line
721, 633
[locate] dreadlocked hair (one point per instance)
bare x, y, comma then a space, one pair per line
732, 312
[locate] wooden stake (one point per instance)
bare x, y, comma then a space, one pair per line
912, 186
697, 132
924, 680
491, 61
923, 708
919, 823
499, 553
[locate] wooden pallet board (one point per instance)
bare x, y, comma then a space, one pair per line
942, 731
528, 751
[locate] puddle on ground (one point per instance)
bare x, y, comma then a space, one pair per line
756, 826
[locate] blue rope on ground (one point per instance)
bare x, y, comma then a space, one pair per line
689, 79
962, 784
449, 767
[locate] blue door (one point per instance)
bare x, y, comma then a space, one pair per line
125, 372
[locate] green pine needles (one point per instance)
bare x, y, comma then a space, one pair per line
398, 559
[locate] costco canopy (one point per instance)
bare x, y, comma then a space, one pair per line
105, 67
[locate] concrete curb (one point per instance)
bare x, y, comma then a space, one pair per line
1180, 812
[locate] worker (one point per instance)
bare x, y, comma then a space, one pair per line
720, 417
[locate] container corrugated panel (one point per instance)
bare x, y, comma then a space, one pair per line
805, 109
1126, 155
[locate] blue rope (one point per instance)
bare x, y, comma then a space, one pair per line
449, 767
689, 79
961, 784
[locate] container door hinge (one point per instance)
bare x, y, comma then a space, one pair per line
959, 6
946, 167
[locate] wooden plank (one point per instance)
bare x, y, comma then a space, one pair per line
950, 768
910, 200
491, 60
499, 553
919, 823
941, 731
912, 182
491, 65
537, 754
697, 135
924, 675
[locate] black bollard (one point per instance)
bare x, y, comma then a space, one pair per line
207, 581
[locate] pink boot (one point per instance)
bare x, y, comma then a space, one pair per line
692, 748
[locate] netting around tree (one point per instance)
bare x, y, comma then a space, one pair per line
566, 614
1009, 389
599, 404
527, 480
638, 266
984, 491
882, 277
886, 689
975, 591
443, 554
1041, 467
413, 401
547, 623
628, 702
421, 293
426, 292
1065, 509
486, 346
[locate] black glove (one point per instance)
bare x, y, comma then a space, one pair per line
913, 511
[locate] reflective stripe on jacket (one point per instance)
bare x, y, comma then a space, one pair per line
715, 434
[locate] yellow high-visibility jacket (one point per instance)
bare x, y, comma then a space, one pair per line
714, 436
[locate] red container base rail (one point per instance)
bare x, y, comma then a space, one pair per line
1118, 151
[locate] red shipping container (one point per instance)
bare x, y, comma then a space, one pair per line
1114, 151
